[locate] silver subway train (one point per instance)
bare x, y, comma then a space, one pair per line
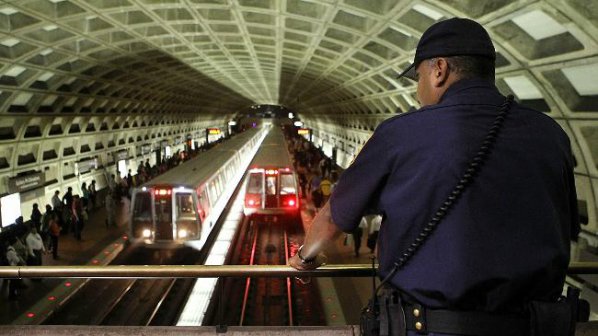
183, 204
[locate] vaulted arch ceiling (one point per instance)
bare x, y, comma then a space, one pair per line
332, 61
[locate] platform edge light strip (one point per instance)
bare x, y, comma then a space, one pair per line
197, 302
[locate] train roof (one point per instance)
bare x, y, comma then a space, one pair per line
197, 170
273, 152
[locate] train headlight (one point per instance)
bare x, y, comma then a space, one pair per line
182, 233
147, 233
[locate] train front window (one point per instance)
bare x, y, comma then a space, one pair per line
184, 205
254, 186
142, 207
187, 224
163, 207
271, 185
287, 184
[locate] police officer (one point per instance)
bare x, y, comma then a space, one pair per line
504, 242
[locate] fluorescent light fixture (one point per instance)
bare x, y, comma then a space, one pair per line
539, 25
50, 27
8, 11
427, 11
15, 71
583, 78
523, 87
10, 42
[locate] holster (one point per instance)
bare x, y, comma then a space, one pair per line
384, 315
369, 320
558, 318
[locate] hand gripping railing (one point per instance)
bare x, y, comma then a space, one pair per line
207, 271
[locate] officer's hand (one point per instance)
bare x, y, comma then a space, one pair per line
298, 264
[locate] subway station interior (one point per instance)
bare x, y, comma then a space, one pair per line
91, 88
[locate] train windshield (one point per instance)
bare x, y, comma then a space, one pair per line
184, 204
254, 186
271, 185
287, 184
142, 206
163, 209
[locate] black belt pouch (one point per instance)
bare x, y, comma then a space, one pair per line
550, 318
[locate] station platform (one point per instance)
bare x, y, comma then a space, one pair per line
99, 246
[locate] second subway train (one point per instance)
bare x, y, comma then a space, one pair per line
271, 187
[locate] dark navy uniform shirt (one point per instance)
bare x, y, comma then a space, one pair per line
506, 240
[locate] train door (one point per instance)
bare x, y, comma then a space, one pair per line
163, 211
187, 224
271, 198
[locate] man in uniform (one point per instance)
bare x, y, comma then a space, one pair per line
504, 242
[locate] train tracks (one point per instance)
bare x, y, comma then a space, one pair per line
268, 240
135, 302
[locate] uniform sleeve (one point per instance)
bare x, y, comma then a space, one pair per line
359, 186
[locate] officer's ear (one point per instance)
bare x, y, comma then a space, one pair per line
440, 71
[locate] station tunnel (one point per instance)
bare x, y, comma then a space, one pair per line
84, 84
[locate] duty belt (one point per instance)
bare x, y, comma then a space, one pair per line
424, 320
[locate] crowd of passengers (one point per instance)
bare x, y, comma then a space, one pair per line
317, 176
27, 242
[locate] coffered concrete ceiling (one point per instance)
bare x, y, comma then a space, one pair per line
332, 61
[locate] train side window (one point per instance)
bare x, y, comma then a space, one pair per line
287, 184
204, 202
142, 206
213, 192
254, 185
271, 185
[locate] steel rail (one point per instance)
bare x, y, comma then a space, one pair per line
208, 271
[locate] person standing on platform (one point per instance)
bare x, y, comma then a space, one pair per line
36, 216
14, 260
20, 245
67, 199
45, 226
375, 222
93, 193
77, 215
325, 188
57, 206
110, 208
357, 234
85, 197
54, 230
478, 218
35, 247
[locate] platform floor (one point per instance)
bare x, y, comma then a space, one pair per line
95, 238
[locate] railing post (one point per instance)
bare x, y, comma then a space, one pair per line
221, 327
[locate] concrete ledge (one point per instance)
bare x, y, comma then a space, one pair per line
173, 331
583, 329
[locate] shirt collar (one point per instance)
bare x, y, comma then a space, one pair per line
461, 89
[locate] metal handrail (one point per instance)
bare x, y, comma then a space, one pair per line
207, 271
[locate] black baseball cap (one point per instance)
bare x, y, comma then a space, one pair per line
452, 37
